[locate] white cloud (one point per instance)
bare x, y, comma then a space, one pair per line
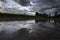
32, 3
13, 4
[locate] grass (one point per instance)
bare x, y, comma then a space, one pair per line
12, 16
8, 16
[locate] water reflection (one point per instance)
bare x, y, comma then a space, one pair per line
49, 23
42, 29
45, 29
11, 26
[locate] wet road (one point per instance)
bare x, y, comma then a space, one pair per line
30, 30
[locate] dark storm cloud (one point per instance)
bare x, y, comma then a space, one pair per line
3, 0
41, 5
23, 2
46, 5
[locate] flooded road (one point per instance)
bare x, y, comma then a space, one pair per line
45, 29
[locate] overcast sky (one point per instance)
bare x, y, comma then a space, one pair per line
47, 6
39, 5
